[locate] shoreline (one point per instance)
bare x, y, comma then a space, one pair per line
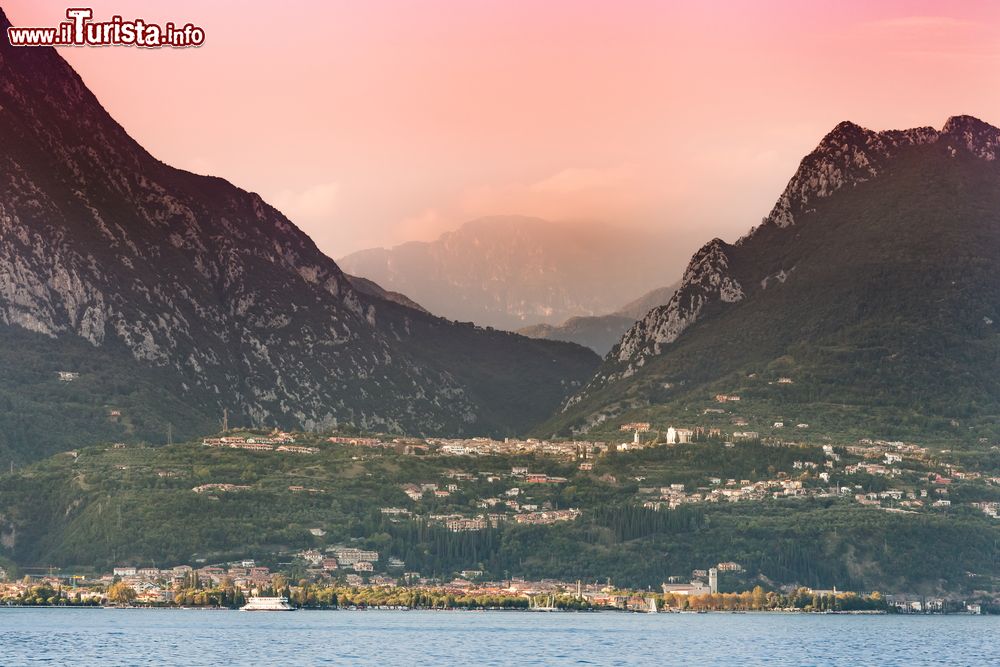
779, 612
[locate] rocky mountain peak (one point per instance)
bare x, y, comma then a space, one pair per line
846, 157
850, 154
978, 137
844, 132
707, 278
964, 123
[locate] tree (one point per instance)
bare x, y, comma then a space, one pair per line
121, 593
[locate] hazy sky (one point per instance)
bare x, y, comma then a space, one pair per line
374, 122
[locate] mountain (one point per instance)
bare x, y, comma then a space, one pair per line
174, 296
513, 271
638, 308
598, 332
373, 289
601, 332
871, 291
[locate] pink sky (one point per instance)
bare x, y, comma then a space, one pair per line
371, 123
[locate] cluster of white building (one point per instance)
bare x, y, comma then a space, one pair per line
510, 446
341, 557
732, 490
278, 441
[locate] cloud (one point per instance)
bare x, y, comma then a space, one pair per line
616, 195
316, 203
612, 194
575, 179
425, 226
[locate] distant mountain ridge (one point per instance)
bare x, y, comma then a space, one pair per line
515, 271
871, 284
174, 297
598, 332
601, 332
638, 308
372, 288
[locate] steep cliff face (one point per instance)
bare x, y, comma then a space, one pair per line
706, 279
216, 290
847, 156
866, 216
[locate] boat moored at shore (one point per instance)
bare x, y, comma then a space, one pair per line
258, 603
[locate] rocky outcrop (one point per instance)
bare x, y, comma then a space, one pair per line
706, 279
847, 157
850, 155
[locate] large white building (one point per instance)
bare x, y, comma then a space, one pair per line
693, 588
679, 435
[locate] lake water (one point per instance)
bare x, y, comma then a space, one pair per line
201, 637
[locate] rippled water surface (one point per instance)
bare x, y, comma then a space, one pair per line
190, 637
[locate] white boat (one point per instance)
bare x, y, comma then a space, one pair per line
258, 603
534, 606
652, 606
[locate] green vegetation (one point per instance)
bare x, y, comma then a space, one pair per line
41, 415
114, 398
108, 506
887, 324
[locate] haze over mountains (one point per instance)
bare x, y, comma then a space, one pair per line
601, 332
514, 271
866, 303
871, 292
174, 296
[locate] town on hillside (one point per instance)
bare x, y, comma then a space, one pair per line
468, 487
345, 577
910, 478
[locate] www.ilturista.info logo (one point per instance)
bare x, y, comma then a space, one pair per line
79, 30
